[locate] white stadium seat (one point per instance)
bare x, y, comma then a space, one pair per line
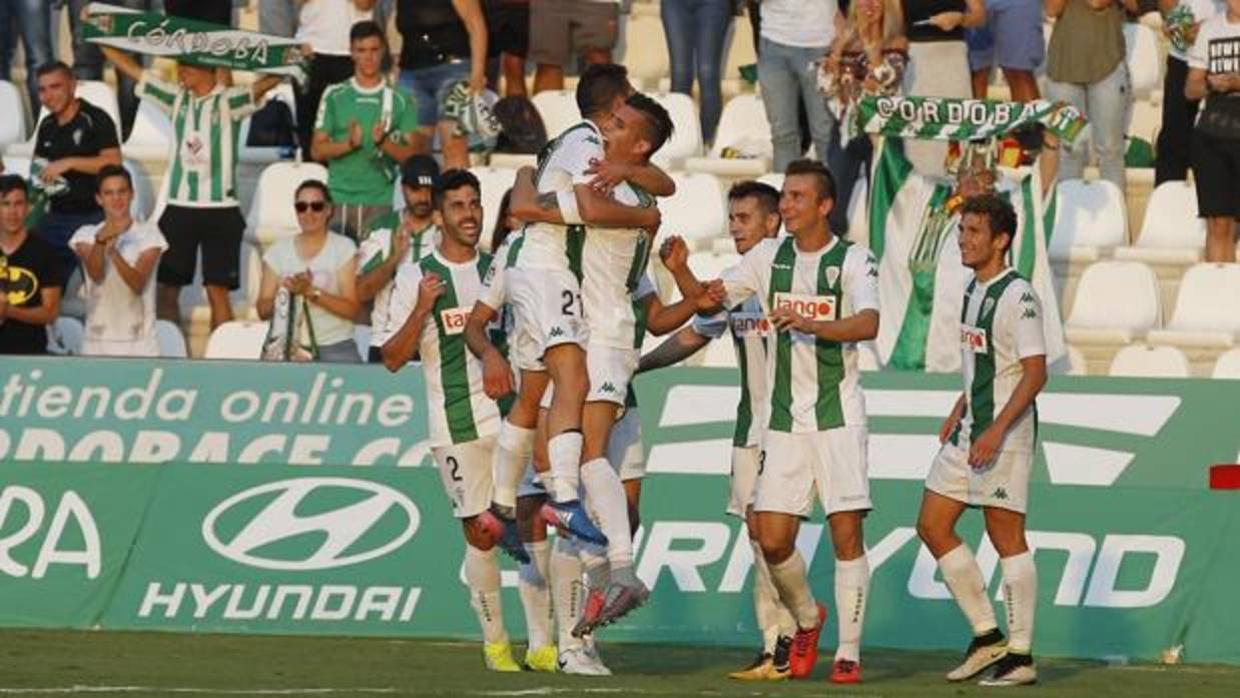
742, 126
558, 109
1115, 302
1091, 215
696, 212
1144, 63
65, 336
13, 126
494, 181
171, 341
1077, 365
272, 216
686, 140
143, 193
17, 165
1228, 365
1205, 308
775, 179
1143, 361
1171, 233
239, 339
1145, 120
645, 54
152, 134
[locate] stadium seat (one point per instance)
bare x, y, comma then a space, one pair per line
143, 193
14, 164
1091, 216
742, 127
645, 54
495, 181
1171, 233
1227, 365
171, 341
1144, 361
1144, 63
64, 337
1205, 309
775, 179
867, 357
239, 339
686, 140
1145, 120
514, 161
271, 215
1115, 302
696, 212
1077, 365
152, 134
558, 109
13, 126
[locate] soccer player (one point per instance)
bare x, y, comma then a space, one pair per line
988, 444
753, 216
431, 301
820, 293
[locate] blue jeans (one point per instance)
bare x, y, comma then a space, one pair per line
56, 228
695, 31
34, 23
1107, 104
788, 73
429, 85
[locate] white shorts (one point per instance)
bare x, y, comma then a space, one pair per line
624, 447
531, 485
547, 306
1004, 484
465, 470
792, 465
611, 370
744, 478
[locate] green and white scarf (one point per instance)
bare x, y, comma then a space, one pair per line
942, 118
290, 334
192, 41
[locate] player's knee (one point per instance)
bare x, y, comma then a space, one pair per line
775, 548
930, 532
476, 535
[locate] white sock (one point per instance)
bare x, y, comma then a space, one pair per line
482, 575
605, 495
1020, 595
790, 580
852, 589
964, 579
513, 447
567, 590
772, 617
564, 453
535, 593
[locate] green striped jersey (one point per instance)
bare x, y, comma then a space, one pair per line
1001, 323
561, 165
366, 175
373, 252
203, 168
812, 384
458, 409
750, 330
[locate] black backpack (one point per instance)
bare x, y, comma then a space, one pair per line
272, 126
523, 129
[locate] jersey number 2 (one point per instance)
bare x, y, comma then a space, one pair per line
569, 298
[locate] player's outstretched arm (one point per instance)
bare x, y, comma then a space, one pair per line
605, 212
673, 350
653, 179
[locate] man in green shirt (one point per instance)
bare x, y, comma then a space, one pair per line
363, 131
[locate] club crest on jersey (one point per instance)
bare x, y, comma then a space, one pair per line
453, 320
831, 274
808, 307
749, 325
974, 339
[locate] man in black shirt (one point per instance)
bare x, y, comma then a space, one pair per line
29, 281
77, 139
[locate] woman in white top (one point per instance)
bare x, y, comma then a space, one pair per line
318, 266
118, 257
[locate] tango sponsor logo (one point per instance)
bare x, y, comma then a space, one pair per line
454, 320
974, 339
808, 307
749, 325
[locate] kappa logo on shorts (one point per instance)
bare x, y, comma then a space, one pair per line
1000, 493
608, 387
557, 331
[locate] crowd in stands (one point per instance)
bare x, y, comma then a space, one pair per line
373, 112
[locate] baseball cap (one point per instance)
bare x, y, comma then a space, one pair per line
419, 171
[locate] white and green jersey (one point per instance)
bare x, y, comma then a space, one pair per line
812, 384
1001, 324
374, 251
364, 176
203, 168
610, 264
458, 409
750, 330
561, 165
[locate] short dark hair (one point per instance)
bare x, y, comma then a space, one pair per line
658, 127
314, 184
814, 168
998, 211
766, 195
53, 67
107, 172
365, 29
599, 86
451, 180
501, 231
12, 182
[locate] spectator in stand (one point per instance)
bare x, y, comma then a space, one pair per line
696, 31
1213, 76
88, 59
365, 127
508, 41
202, 209
1085, 67
78, 139
1182, 19
561, 30
403, 236
795, 37
119, 257
30, 282
1012, 39
34, 23
319, 267
445, 42
938, 64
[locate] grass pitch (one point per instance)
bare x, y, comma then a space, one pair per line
153, 664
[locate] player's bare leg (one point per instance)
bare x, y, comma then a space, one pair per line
777, 534
852, 589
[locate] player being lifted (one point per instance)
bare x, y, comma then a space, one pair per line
821, 294
753, 216
430, 304
988, 445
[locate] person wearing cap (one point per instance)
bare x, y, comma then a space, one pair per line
401, 236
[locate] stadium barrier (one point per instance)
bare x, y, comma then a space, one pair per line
251, 498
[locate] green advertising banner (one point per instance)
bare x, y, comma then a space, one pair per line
1131, 547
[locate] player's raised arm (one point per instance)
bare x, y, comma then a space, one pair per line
680, 346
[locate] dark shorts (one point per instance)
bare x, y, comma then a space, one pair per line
1216, 169
560, 30
1011, 37
217, 231
508, 28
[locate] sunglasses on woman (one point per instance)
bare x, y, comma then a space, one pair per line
316, 206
